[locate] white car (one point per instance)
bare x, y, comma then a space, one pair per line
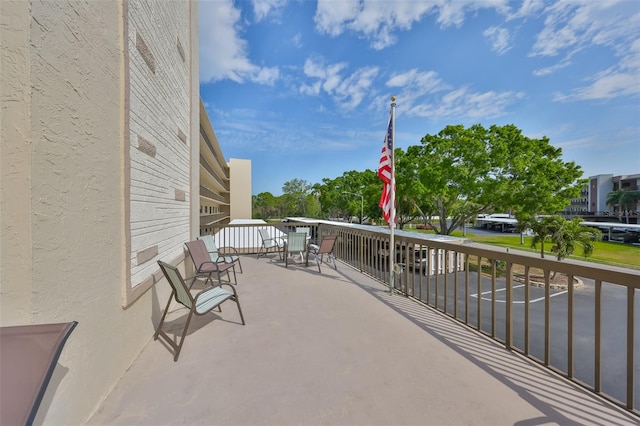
419, 260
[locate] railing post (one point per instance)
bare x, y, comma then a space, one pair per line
466, 289
527, 303
479, 292
630, 345
509, 313
445, 258
455, 285
570, 327
494, 265
547, 317
598, 338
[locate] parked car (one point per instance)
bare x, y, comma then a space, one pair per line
421, 259
425, 226
413, 258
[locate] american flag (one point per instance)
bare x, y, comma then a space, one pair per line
385, 172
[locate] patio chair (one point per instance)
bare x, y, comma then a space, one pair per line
204, 266
296, 243
304, 229
28, 357
220, 253
202, 303
269, 243
325, 249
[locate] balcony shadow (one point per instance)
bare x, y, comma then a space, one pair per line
561, 401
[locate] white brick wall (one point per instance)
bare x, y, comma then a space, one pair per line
159, 113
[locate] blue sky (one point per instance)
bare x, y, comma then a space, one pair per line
303, 88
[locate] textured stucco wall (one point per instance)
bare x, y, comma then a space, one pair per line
65, 183
15, 164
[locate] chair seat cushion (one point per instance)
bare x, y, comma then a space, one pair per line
211, 298
214, 267
227, 259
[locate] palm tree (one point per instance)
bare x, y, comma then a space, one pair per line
571, 234
623, 199
542, 230
565, 235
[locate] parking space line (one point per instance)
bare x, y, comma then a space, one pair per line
515, 301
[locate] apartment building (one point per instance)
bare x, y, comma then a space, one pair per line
592, 202
225, 187
101, 131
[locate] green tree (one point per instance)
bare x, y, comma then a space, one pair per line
570, 235
542, 231
340, 197
264, 206
624, 200
294, 194
468, 171
412, 200
565, 235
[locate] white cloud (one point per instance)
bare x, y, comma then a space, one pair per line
553, 68
352, 90
263, 8
348, 92
622, 78
425, 94
379, 20
571, 26
417, 83
223, 53
528, 8
582, 143
499, 38
331, 16
461, 103
297, 40
606, 85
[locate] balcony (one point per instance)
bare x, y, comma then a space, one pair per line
337, 348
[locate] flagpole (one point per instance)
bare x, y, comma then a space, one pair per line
392, 221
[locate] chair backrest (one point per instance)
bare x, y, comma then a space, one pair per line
210, 243
267, 241
177, 283
296, 241
198, 252
327, 244
304, 229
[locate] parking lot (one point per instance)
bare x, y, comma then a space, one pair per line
432, 290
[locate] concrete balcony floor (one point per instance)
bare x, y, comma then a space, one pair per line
337, 349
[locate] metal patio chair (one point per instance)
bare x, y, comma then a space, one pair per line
325, 249
296, 243
202, 303
220, 254
269, 243
205, 267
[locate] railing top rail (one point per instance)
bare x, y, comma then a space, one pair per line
605, 273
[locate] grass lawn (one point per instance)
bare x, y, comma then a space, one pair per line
618, 254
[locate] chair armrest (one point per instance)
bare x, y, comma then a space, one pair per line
233, 289
223, 251
216, 263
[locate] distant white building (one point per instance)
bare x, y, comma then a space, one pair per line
592, 202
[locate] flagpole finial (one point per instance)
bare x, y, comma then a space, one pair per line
393, 99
